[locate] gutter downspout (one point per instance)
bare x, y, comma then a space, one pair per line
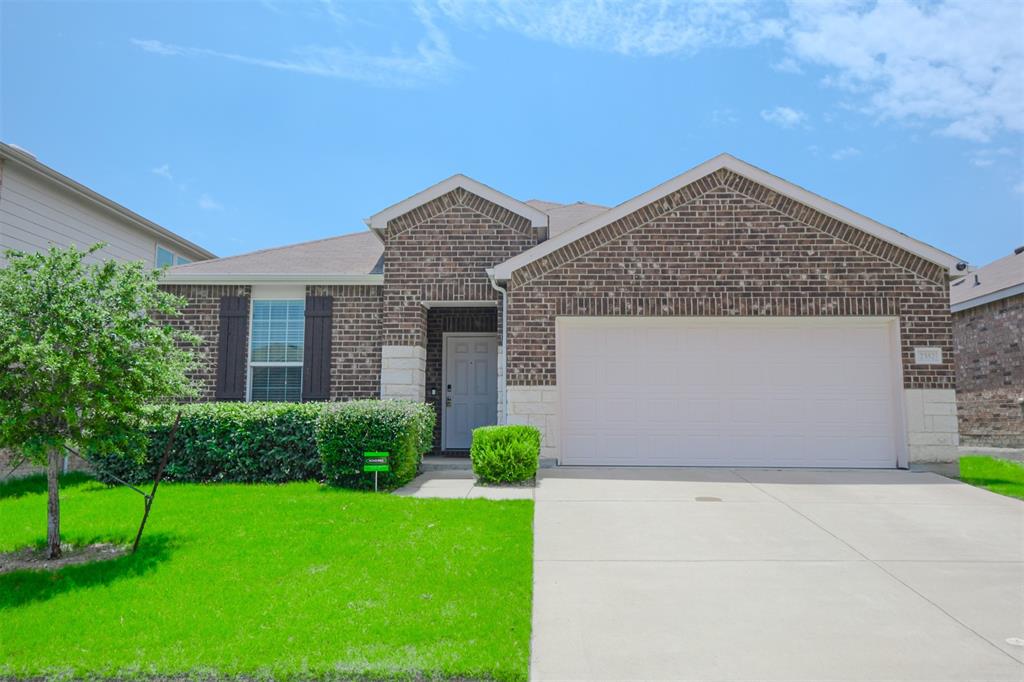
504, 345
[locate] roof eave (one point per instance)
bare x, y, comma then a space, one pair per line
987, 298
270, 277
504, 270
10, 153
379, 221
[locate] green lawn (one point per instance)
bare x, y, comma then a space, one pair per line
998, 475
291, 581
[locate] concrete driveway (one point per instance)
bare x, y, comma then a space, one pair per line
718, 574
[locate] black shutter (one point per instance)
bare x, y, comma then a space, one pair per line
316, 363
232, 332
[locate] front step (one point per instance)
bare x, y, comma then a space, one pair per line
439, 463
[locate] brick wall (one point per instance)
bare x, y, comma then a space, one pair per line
727, 246
989, 342
438, 252
201, 316
355, 340
440, 321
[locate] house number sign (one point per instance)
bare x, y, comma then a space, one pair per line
926, 355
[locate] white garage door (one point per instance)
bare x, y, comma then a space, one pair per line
814, 392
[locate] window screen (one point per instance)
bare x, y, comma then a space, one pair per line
275, 350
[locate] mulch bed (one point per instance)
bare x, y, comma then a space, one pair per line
35, 559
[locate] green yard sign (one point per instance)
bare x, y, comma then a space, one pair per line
375, 462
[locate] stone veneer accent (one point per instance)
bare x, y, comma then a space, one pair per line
726, 246
536, 406
932, 434
201, 316
403, 372
989, 343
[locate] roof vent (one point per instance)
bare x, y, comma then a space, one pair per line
1019, 250
977, 281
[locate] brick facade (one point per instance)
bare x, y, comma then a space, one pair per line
724, 246
439, 322
201, 316
438, 252
355, 340
989, 342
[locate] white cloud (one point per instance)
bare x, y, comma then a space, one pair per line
208, 203
723, 117
645, 27
788, 65
845, 153
957, 63
987, 156
784, 117
163, 171
431, 61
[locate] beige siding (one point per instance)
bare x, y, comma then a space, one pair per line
36, 213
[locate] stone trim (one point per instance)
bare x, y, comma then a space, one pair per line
537, 406
932, 430
403, 372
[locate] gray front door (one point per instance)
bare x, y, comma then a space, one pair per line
470, 387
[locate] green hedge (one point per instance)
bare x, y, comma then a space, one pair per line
404, 429
505, 454
278, 442
227, 442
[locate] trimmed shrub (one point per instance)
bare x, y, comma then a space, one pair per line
505, 454
226, 442
401, 428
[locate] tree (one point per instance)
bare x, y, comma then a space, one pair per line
82, 353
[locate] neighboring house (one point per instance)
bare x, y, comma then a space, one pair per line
726, 317
988, 333
40, 208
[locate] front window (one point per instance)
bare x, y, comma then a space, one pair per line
276, 349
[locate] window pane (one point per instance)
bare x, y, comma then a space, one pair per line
163, 257
277, 384
181, 260
277, 331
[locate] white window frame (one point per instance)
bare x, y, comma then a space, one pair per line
270, 293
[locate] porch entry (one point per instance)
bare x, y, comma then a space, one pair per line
469, 387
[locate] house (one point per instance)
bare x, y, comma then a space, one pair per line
726, 317
40, 207
988, 336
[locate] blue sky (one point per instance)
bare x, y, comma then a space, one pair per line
247, 125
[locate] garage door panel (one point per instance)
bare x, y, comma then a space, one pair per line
728, 392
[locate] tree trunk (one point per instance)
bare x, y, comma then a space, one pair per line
53, 504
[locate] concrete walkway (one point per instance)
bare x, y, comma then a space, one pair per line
457, 483
717, 574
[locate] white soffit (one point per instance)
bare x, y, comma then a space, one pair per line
379, 221
930, 253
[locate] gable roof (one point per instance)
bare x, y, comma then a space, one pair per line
379, 221
28, 161
929, 253
563, 216
349, 259
999, 279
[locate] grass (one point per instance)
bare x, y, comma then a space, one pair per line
998, 475
292, 581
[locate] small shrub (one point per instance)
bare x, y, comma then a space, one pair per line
505, 454
404, 429
226, 442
